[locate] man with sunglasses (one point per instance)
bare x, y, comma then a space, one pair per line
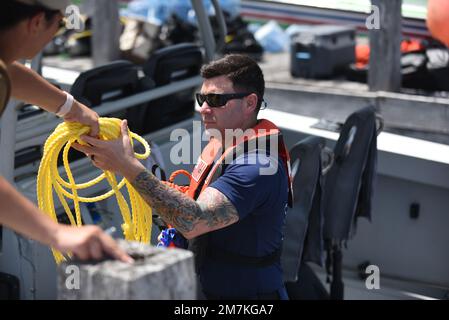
26, 26
232, 214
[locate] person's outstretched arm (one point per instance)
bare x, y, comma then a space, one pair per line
87, 242
212, 210
28, 86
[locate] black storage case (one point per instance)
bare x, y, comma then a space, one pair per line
319, 51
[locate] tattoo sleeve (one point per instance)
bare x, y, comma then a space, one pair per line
210, 212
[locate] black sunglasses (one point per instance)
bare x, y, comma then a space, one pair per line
216, 100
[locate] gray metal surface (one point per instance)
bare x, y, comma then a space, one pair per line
409, 249
385, 47
403, 114
207, 35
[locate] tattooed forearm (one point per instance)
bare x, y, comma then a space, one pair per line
173, 206
212, 211
217, 209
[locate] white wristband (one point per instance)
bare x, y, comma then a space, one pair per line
66, 107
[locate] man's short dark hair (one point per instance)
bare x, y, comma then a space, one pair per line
244, 73
12, 12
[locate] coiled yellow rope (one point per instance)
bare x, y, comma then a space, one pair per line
136, 222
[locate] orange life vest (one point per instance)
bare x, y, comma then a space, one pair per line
209, 164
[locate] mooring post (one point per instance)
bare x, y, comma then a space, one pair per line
106, 31
385, 46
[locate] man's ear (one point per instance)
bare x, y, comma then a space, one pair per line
35, 23
251, 102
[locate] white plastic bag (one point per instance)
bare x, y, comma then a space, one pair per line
272, 37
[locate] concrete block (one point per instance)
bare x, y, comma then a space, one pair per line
157, 274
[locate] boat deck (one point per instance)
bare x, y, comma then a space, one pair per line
409, 167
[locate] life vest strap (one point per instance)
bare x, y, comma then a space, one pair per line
171, 183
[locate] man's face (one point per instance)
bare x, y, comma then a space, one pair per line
232, 115
38, 32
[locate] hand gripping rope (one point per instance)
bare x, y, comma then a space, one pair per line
136, 222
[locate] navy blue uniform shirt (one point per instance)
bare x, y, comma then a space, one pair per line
261, 203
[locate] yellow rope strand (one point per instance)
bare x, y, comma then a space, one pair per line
136, 222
